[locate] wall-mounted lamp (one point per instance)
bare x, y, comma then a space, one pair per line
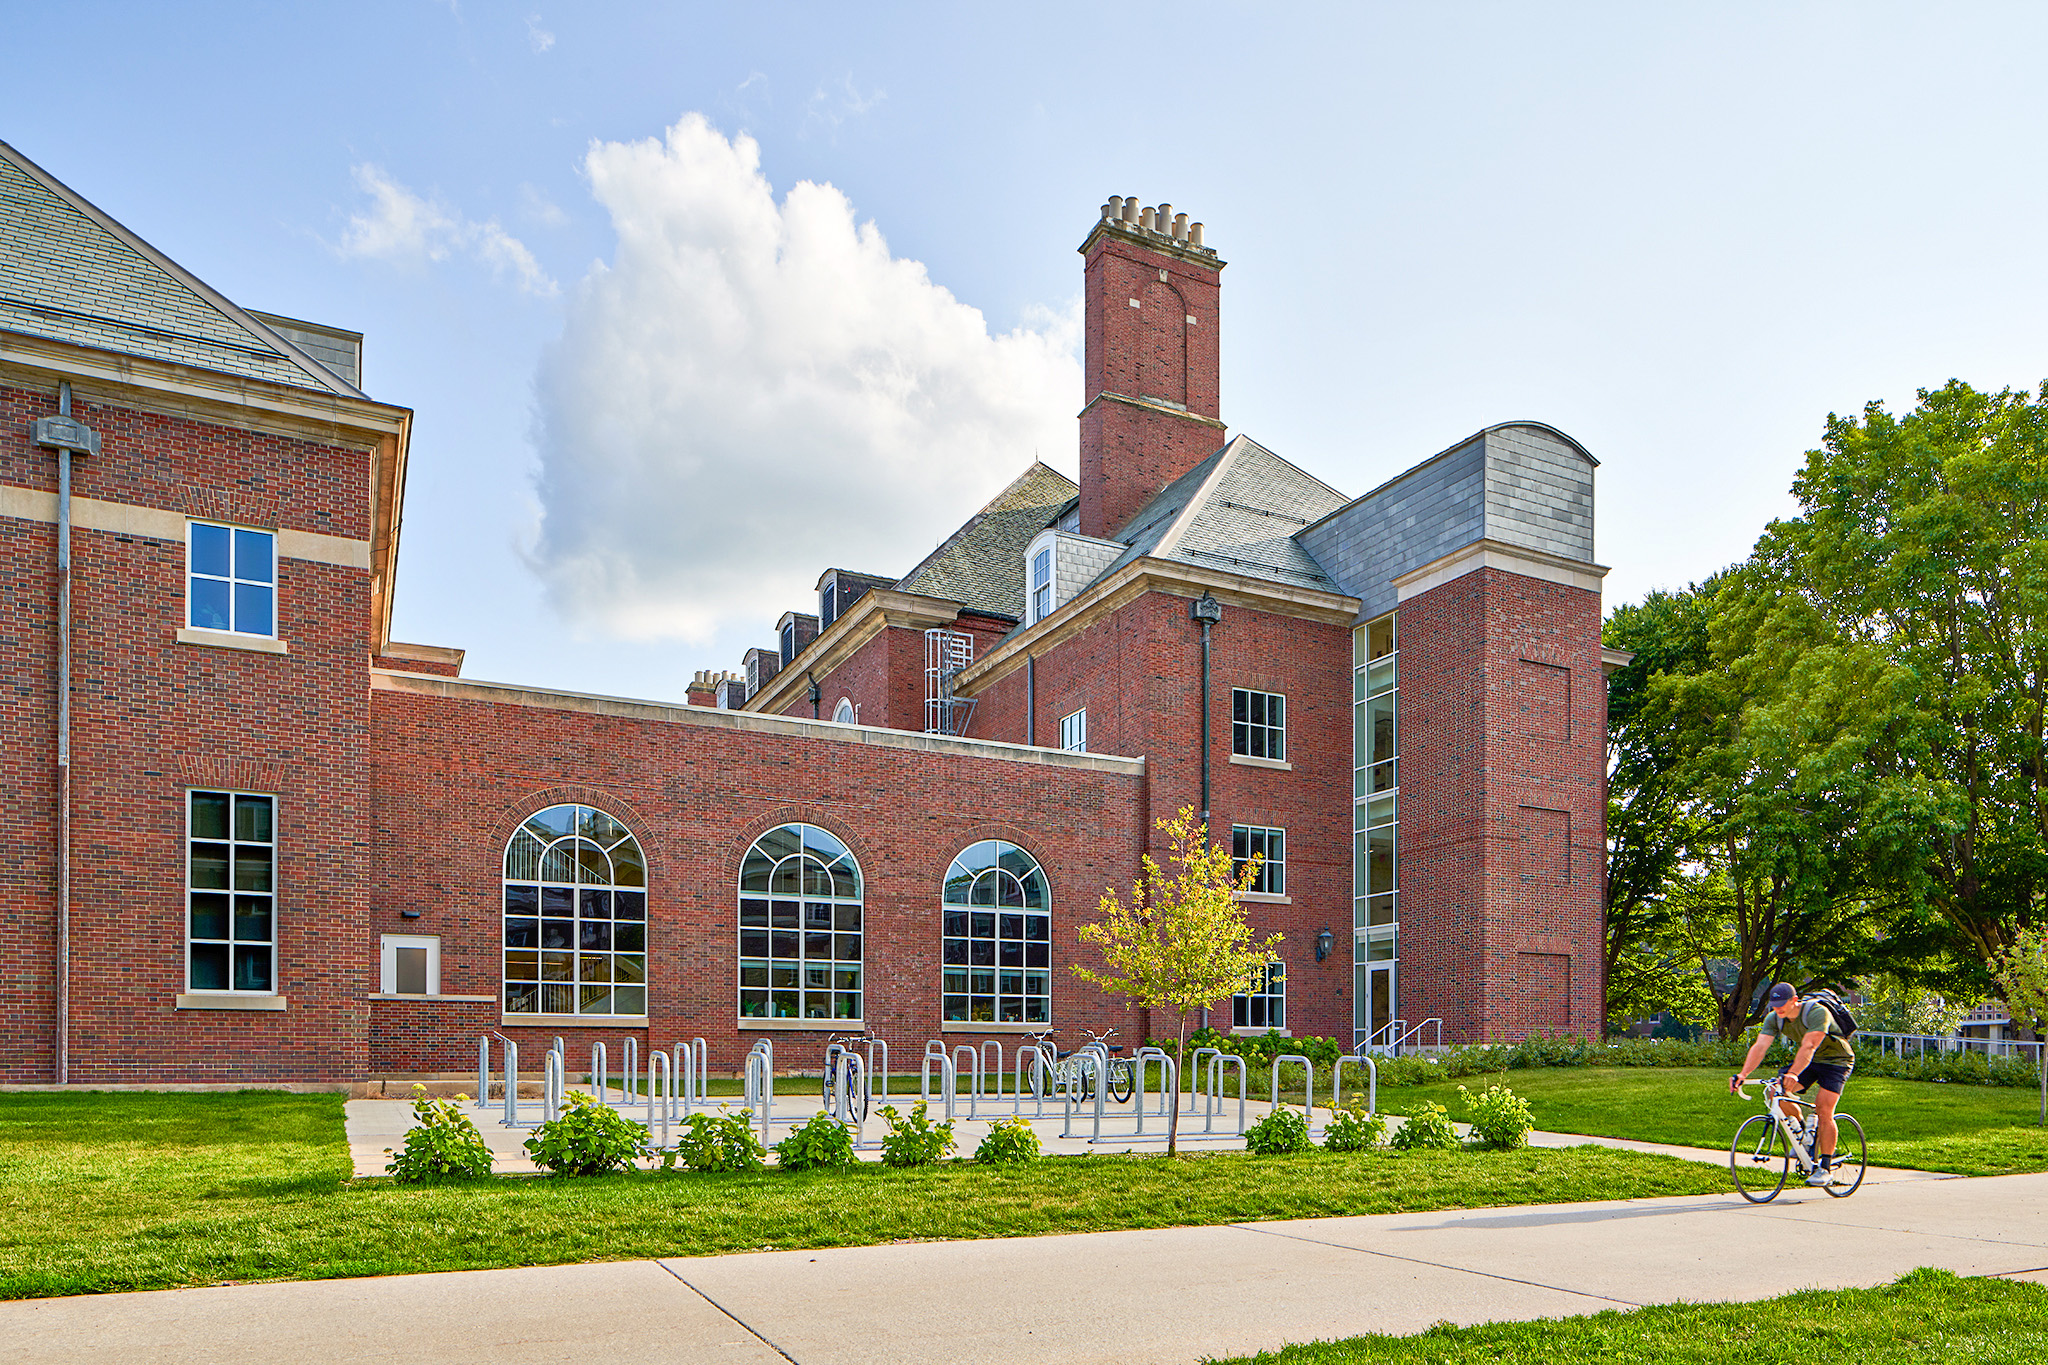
1324, 942
414, 914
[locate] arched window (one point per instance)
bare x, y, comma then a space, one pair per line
800, 927
998, 937
575, 916
843, 713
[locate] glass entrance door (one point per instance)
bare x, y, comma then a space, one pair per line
1374, 1011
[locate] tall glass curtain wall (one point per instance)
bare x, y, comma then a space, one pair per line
1376, 784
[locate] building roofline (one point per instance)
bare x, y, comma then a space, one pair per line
314, 370
746, 722
1445, 453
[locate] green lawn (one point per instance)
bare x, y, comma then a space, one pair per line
1967, 1129
139, 1191
1927, 1315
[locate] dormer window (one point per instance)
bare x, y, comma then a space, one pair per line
1041, 584
828, 604
788, 643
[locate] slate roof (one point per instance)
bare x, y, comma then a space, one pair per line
70, 273
1237, 511
981, 565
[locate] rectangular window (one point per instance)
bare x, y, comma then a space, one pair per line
231, 579
231, 893
788, 643
828, 605
1271, 847
1074, 731
1258, 724
411, 964
1265, 1005
1041, 585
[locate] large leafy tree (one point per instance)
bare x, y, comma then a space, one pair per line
1923, 539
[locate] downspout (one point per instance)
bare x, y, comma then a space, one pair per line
1208, 611
65, 436
1030, 699
815, 694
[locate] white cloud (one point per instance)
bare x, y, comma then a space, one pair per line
754, 391
400, 225
539, 37
832, 106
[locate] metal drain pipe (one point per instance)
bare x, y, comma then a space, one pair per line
1207, 610
67, 437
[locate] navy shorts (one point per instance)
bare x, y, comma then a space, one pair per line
1827, 1075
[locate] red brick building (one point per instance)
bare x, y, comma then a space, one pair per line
255, 839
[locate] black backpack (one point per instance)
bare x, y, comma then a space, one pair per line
1844, 1021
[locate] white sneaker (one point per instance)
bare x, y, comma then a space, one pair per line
1822, 1175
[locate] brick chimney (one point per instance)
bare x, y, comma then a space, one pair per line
703, 689
1151, 367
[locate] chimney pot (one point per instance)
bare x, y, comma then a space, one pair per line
1162, 221
1145, 219
1180, 227
1130, 208
1194, 234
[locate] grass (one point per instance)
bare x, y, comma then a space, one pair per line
1922, 1125
103, 1192
1923, 1315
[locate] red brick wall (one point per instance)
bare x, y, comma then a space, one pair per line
453, 778
1153, 350
1138, 673
1502, 840
153, 718
884, 679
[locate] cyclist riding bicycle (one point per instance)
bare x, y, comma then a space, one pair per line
1821, 1056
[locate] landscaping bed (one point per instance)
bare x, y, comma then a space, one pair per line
1924, 1315
103, 1192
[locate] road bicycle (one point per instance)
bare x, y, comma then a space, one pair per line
845, 1085
1768, 1146
1071, 1076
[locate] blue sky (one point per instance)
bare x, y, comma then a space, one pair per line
657, 391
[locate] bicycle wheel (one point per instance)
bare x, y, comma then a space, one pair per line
1850, 1156
856, 1091
1759, 1159
1120, 1085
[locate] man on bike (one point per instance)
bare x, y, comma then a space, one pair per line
1821, 1056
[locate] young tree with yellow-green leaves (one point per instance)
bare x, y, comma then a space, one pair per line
1182, 942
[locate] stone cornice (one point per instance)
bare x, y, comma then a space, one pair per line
1146, 405
746, 722
1133, 581
1131, 235
874, 611
1497, 554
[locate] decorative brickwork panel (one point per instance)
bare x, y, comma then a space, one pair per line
1543, 991
1546, 839
1543, 700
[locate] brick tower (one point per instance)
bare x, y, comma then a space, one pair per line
1150, 413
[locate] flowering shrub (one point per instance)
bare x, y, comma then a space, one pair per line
1282, 1131
442, 1144
1429, 1128
588, 1139
913, 1140
1500, 1118
1009, 1140
820, 1144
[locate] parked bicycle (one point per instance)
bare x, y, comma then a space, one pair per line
1072, 1075
1769, 1145
845, 1085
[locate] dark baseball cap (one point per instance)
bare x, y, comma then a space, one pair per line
1782, 994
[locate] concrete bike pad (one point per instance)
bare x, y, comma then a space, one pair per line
1170, 1295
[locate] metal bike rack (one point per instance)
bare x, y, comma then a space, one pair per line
483, 1071
599, 1075
759, 1085
629, 1071
1084, 1060
973, 1075
995, 1073
1169, 1084
551, 1080
1308, 1086
691, 1066
1215, 1102
510, 1052
949, 1080
658, 1073
1167, 1095
1195, 1075
1041, 1077
1372, 1083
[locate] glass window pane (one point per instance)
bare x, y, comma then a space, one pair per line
252, 919
629, 905
252, 867
522, 933
522, 900
210, 604
253, 603
594, 999
411, 971
252, 969
595, 935
522, 999
594, 903
557, 902
209, 815
630, 938
628, 867
557, 933
209, 966
553, 823
252, 819
630, 968
252, 556
209, 915
593, 966
557, 999
629, 1000
210, 867
210, 550
522, 966
558, 966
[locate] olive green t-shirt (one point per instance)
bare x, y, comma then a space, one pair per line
1834, 1049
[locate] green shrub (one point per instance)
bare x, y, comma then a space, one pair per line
1008, 1140
914, 1140
1429, 1128
820, 1144
442, 1144
1282, 1131
723, 1141
1353, 1130
588, 1139
1500, 1118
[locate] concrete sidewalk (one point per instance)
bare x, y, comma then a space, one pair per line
1170, 1296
